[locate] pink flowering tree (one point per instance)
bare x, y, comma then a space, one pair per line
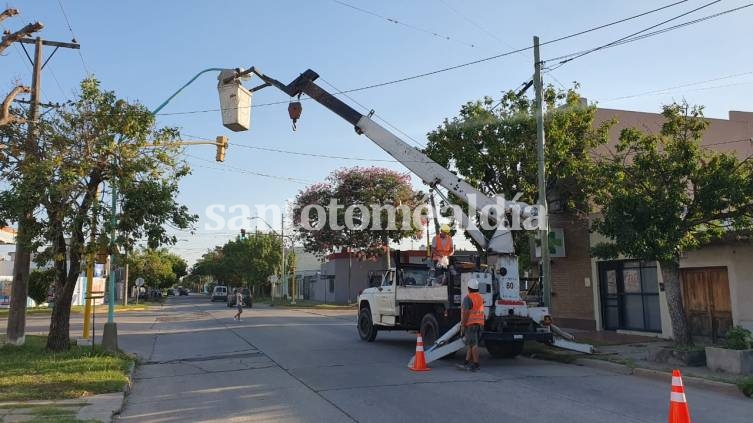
358, 210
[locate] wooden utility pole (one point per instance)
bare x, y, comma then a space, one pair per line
22, 260
546, 267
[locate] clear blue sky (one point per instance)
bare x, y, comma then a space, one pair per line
145, 50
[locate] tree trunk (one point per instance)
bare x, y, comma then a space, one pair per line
670, 271
58, 338
16, 329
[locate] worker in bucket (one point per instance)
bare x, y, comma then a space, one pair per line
442, 247
471, 324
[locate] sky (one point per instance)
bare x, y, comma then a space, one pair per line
146, 50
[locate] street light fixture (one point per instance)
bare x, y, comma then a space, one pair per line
110, 333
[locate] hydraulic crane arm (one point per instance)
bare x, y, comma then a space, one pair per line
416, 161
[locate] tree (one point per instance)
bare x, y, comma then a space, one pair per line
247, 261
96, 139
361, 220
492, 145
662, 194
159, 268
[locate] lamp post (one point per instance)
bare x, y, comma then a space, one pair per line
282, 242
110, 333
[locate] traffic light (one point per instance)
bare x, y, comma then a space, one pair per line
243, 233
221, 148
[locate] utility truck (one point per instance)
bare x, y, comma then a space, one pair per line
413, 297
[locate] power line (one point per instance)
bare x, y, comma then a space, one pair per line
377, 116
250, 172
454, 67
395, 21
68, 22
472, 22
639, 35
306, 154
675, 87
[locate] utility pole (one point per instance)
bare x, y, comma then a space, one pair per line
90, 271
282, 242
546, 267
22, 259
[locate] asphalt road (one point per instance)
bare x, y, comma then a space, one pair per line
277, 364
310, 366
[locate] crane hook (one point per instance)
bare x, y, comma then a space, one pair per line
294, 111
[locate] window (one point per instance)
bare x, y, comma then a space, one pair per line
630, 295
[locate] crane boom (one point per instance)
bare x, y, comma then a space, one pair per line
430, 172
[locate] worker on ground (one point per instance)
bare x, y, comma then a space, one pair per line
471, 324
442, 247
238, 303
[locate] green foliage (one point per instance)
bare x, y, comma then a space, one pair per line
662, 194
370, 187
40, 282
746, 386
247, 261
159, 268
492, 145
98, 138
739, 338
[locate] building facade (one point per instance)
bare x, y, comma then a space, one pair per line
627, 295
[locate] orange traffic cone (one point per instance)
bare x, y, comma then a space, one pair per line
419, 361
678, 406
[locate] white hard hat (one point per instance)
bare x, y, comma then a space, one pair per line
473, 284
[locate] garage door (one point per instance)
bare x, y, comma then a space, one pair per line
705, 293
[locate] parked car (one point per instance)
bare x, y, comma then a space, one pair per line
219, 293
247, 298
170, 292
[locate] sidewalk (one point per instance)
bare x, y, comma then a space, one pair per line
630, 354
95, 408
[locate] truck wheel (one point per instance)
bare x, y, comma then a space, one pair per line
366, 329
429, 329
509, 349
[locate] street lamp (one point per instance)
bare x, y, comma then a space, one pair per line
282, 242
110, 333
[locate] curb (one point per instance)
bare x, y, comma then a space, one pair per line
129, 384
693, 381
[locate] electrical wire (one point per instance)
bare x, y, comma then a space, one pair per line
642, 34
367, 110
306, 154
249, 172
676, 87
68, 22
413, 27
454, 67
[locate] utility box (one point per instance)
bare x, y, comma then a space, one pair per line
235, 103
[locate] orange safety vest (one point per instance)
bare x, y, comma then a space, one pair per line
442, 247
476, 313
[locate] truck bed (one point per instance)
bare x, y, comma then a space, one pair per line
421, 294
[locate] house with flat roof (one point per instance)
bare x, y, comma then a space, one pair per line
627, 295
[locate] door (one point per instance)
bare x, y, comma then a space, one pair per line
610, 300
706, 298
629, 295
385, 299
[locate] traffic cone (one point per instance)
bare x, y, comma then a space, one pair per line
678, 406
419, 361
